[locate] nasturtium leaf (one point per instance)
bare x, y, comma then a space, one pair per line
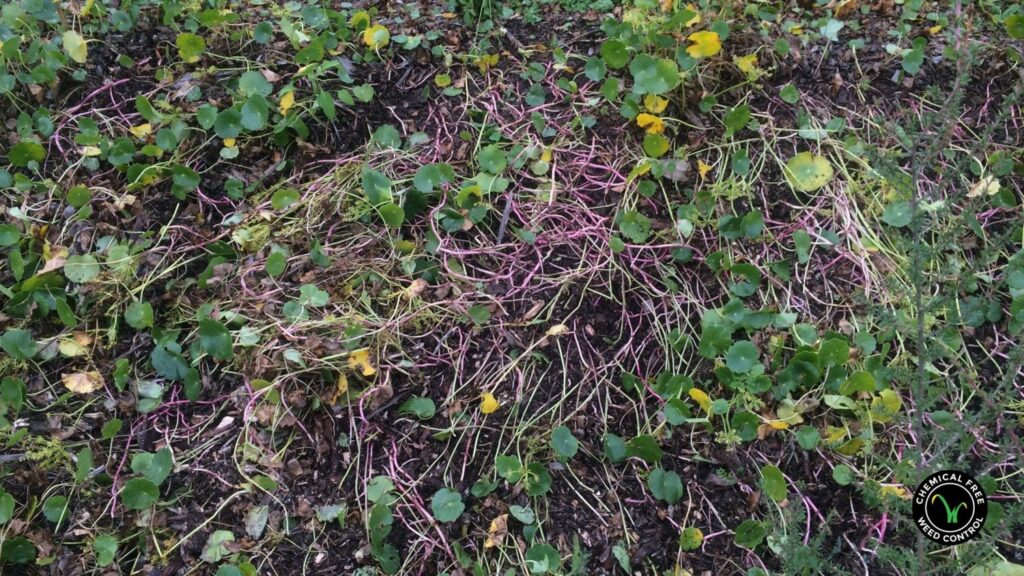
447, 505
190, 47
742, 357
1015, 25
139, 315
897, 214
105, 549
615, 54
543, 558
275, 264
216, 547
808, 437
537, 479
255, 112
843, 475
704, 44
655, 145
644, 447
789, 94
75, 46
154, 466
773, 482
6, 507
860, 381
595, 69
491, 159
284, 198
228, 123
833, 352
736, 118
17, 550
22, 153
653, 76
564, 443
9, 235
750, 534
524, 514
81, 269
253, 82
635, 226
807, 172
377, 187
614, 448
665, 485
215, 339
419, 406
55, 508
691, 538
139, 494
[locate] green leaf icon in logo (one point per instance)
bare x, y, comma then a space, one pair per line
951, 514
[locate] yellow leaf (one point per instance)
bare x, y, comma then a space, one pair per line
91, 151
651, 123
229, 142
286, 103
496, 533
142, 130
895, 490
360, 360
778, 424
87, 7
557, 329
82, 382
701, 397
361, 18
655, 104
488, 403
935, 30
696, 19
747, 63
705, 43
376, 37
796, 30
988, 185
546, 155
75, 46
703, 168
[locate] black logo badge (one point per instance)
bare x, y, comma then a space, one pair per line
950, 507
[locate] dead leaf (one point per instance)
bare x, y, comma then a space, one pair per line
82, 382
496, 533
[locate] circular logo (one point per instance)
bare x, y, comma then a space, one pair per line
950, 507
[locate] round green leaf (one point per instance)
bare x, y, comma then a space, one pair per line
447, 505
773, 482
691, 538
651, 76
139, 315
615, 54
139, 494
750, 534
255, 112
807, 172
742, 357
665, 485
419, 406
81, 269
105, 549
564, 443
24, 152
55, 508
491, 159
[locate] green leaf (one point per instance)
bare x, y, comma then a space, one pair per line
750, 534
595, 69
419, 406
543, 559
859, 381
81, 269
843, 475
614, 448
252, 82
83, 464
773, 482
1015, 26
509, 468
22, 153
17, 550
491, 159
652, 76
537, 479
564, 443
6, 507
615, 54
55, 508
897, 214
655, 145
105, 549
392, 214
155, 467
789, 94
742, 357
228, 123
19, 344
377, 187
75, 46
9, 235
215, 339
480, 314
665, 485
635, 226
833, 352
807, 172
275, 264
284, 198
736, 119
139, 494
216, 548
255, 112
808, 437
644, 447
190, 47
139, 315
691, 538
447, 505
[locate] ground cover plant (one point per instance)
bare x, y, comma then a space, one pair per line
529, 287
